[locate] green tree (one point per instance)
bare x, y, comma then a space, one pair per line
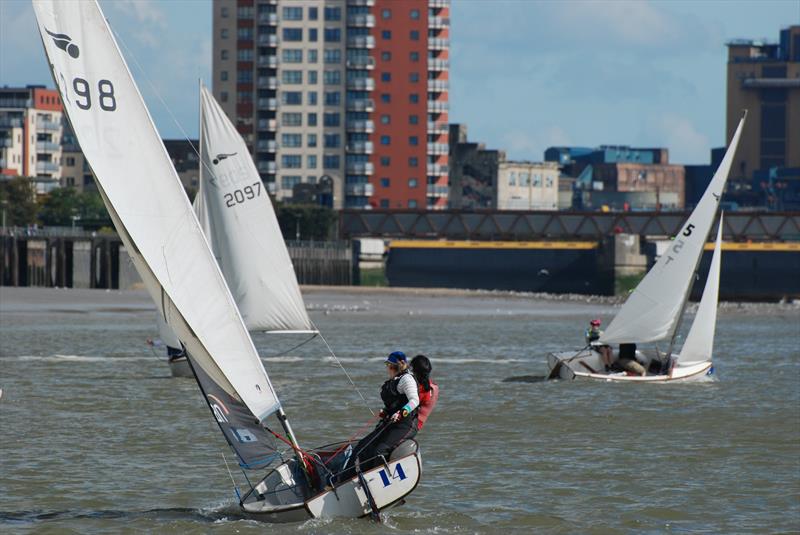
59, 207
315, 222
18, 200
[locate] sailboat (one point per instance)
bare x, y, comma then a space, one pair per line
654, 311
239, 221
159, 228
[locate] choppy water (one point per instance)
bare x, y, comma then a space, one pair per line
94, 436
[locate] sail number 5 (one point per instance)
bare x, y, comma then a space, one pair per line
241, 195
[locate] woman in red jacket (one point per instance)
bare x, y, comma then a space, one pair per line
428, 390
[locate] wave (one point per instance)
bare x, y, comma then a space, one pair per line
75, 358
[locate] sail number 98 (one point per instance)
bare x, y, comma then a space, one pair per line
105, 90
241, 195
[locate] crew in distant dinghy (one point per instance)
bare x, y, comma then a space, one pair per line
428, 389
592, 335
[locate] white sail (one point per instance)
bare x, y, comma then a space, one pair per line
700, 340
237, 216
652, 310
166, 334
146, 199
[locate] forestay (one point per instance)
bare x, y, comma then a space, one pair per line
146, 200
699, 342
237, 216
651, 312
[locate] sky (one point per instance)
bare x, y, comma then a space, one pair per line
525, 74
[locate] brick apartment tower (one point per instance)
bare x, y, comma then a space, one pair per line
355, 90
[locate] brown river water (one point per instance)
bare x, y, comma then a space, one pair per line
96, 437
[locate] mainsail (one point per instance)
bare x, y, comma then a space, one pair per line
699, 342
652, 311
152, 215
237, 216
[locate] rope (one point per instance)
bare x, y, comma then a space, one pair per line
349, 440
301, 344
235, 488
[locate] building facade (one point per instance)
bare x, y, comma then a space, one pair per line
30, 132
352, 91
764, 79
527, 186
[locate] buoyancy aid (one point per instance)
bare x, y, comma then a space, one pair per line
427, 402
393, 399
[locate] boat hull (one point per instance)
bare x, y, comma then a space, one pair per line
586, 365
179, 367
388, 485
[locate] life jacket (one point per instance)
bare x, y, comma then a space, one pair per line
427, 402
393, 399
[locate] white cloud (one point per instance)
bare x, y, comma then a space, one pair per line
531, 144
685, 142
144, 19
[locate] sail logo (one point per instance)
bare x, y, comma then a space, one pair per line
399, 475
64, 42
221, 157
244, 436
218, 408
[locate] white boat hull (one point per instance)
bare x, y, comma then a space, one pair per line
388, 485
180, 367
587, 365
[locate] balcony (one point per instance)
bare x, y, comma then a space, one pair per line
438, 191
361, 41
360, 168
267, 124
361, 3
269, 145
438, 148
268, 39
267, 167
361, 126
438, 86
5, 122
366, 190
437, 106
437, 43
361, 84
361, 21
268, 103
364, 62
438, 128
47, 167
437, 64
272, 82
362, 104
438, 22
438, 3
360, 147
268, 61
48, 126
6, 142
44, 146
436, 169
268, 18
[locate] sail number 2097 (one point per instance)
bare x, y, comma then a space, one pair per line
241, 195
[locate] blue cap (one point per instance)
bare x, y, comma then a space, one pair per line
396, 358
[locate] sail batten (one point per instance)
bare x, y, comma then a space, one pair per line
652, 311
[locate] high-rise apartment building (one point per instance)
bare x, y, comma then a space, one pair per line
355, 90
30, 132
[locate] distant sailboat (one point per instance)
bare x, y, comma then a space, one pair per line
158, 227
655, 309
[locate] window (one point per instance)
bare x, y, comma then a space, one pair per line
292, 77
512, 179
333, 35
332, 141
386, 77
386, 140
291, 98
244, 34
291, 119
415, 14
385, 182
331, 119
312, 77
245, 54
412, 182
313, 13
223, 33
332, 77
223, 76
386, 98
386, 119
292, 13
413, 119
244, 96
292, 55
413, 162
312, 98
311, 140
386, 35
312, 56
312, 119
311, 161
333, 98
245, 12
291, 161
289, 182
413, 140
223, 12
413, 98
386, 14
312, 35
414, 56
548, 182
311, 179
292, 34
386, 161
537, 180
223, 54
384, 203
332, 55
330, 161
333, 13
413, 77
291, 140
223, 96
414, 35
412, 203
386, 56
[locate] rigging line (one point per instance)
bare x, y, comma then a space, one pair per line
235, 487
301, 344
322, 336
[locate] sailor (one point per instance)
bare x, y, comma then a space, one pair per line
400, 395
428, 389
627, 360
592, 336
